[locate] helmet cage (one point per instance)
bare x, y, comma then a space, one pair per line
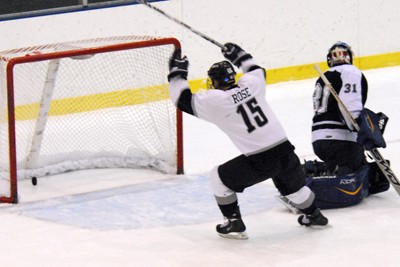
221, 74
339, 53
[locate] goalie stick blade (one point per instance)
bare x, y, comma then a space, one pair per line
385, 169
285, 201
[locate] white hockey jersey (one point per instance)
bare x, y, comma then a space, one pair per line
330, 121
241, 112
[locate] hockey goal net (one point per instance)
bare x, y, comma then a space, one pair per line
98, 103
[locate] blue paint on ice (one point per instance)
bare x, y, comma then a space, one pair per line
179, 201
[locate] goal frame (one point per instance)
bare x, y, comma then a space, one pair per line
11, 63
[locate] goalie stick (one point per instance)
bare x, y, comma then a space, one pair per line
373, 153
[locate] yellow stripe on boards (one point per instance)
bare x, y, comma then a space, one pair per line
160, 92
378, 61
307, 71
95, 102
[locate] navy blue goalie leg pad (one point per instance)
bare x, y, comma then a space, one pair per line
339, 191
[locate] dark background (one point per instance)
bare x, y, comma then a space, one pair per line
14, 9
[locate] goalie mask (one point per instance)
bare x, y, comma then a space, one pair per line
221, 75
339, 53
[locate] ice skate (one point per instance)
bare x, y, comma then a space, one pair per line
233, 228
316, 218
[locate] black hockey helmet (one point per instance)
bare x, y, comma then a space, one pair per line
339, 53
221, 74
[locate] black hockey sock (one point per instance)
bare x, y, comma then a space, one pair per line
230, 210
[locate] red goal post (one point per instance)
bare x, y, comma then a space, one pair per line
97, 103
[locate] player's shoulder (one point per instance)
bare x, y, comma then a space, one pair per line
253, 79
344, 68
202, 91
337, 71
210, 95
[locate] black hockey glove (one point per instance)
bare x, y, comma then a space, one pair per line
234, 54
178, 66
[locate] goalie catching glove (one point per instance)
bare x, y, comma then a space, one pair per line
178, 66
235, 54
372, 126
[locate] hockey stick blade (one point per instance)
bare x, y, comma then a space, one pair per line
385, 168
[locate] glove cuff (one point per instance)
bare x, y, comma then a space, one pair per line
242, 56
177, 72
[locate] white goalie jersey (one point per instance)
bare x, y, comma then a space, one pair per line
242, 112
330, 122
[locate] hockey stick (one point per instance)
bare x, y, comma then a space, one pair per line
182, 24
374, 153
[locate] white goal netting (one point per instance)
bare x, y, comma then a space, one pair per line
99, 103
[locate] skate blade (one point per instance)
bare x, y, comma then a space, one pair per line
233, 235
285, 201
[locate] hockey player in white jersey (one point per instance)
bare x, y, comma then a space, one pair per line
240, 110
334, 138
